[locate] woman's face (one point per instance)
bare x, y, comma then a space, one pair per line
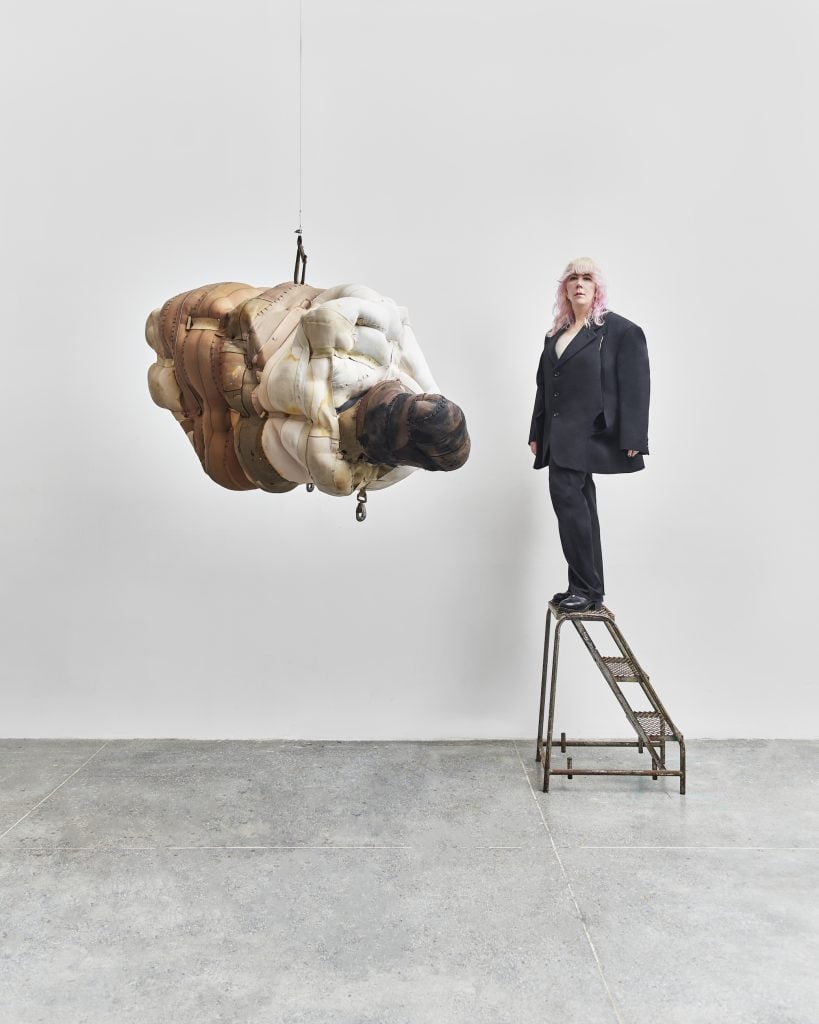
580, 288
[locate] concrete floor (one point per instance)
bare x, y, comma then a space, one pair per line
168, 881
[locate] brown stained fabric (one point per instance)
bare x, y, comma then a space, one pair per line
248, 434
237, 380
197, 361
213, 370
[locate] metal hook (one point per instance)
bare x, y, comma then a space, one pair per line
301, 259
361, 507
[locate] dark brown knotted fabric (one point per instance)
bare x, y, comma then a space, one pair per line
398, 428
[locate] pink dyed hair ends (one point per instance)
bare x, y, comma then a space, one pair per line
564, 315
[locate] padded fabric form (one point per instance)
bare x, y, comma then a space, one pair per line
255, 378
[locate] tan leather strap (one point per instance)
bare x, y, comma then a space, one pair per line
202, 323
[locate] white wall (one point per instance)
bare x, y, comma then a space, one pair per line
455, 156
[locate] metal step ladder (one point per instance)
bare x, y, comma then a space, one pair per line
653, 727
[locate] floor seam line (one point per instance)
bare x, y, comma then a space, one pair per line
771, 849
165, 849
574, 899
279, 846
53, 791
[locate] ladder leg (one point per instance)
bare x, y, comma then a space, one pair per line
547, 749
544, 672
682, 765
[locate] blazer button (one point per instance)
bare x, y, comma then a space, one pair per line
555, 414
556, 373
555, 394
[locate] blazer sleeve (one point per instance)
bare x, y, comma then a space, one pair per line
535, 433
633, 387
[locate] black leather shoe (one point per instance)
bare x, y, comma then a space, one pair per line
561, 596
577, 603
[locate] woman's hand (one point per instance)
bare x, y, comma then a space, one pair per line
533, 446
631, 453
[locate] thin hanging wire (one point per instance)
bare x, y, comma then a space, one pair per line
300, 107
300, 268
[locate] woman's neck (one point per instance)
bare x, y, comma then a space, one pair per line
581, 313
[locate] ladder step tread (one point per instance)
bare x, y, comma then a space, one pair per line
654, 724
622, 669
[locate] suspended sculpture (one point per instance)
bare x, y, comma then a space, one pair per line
277, 387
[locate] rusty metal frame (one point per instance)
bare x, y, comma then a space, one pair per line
654, 728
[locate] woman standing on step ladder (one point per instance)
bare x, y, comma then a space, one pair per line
590, 416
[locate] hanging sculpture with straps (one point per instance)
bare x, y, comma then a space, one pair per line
291, 385
297, 385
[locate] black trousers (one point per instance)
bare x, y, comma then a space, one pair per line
574, 499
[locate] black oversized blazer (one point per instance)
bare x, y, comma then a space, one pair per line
592, 403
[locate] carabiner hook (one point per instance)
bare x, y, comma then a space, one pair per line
301, 259
361, 507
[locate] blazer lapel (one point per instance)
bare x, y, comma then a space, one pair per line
584, 337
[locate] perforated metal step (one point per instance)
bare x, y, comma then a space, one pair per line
622, 669
655, 725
